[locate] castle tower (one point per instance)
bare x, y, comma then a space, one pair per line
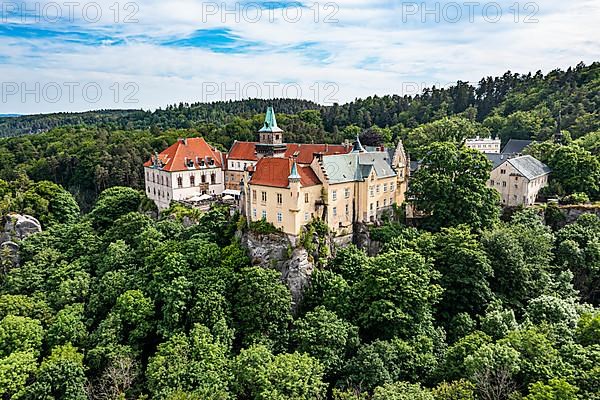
270, 137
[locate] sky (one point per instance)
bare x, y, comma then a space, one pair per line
76, 56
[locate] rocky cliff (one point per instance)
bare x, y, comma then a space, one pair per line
15, 227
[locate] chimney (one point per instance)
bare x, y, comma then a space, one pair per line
183, 141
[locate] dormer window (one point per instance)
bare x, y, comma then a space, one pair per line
201, 163
211, 161
189, 163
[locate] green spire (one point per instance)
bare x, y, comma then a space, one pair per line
294, 173
270, 124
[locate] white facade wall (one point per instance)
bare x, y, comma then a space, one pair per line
163, 186
485, 145
514, 188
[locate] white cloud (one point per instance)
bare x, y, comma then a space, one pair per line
370, 51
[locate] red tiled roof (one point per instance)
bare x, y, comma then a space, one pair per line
243, 151
192, 149
304, 152
274, 172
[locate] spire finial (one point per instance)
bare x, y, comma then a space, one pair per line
358, 147
270, 124
294, 175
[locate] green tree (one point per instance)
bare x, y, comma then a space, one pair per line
67, 327
112, 204
50, 203
324, 336
262, 376
15, 372
455, 390
449, 129
262, 308
588, 329
395, 298
576, 170
450, 186
20, 334
555, 389
195, 364
387, 361
61, 375
402, 391
465, 271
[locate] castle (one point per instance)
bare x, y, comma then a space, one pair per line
287, 185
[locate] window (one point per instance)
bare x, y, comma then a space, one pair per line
254, 213
306, 197
279, 217
279, 198
263, 197
148, 189
335, 211
378, 187
213, 178
391, 187
203, 178
334, 195
371, 206
179, 182
264, 214
385, 187
347, 193
503, 183
492, 182
306, 216
192, 180
502, 171
254, 195
347, 209
384, 202
371, 191
377, 203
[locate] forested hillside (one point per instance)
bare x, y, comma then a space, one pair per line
513, 105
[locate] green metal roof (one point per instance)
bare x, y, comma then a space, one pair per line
270, 124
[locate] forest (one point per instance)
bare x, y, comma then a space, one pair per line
112, 301
115, 304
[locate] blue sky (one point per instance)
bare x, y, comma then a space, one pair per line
147, 54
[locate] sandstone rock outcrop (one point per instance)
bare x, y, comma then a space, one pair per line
15, 227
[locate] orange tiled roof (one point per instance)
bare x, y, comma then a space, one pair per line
274, 172
243, 151
304, 152
194, 150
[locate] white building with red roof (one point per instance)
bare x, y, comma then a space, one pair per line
189, 168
